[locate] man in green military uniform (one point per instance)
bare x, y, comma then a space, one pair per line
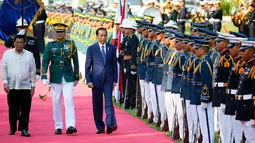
63, 77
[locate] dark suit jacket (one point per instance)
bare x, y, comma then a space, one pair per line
96, 71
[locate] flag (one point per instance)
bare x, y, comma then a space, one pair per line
116, 20
11, 11
121, 14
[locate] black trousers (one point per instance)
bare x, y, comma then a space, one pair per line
252, 29
131, 91
216, 26
181, 26
39, 32
19, 101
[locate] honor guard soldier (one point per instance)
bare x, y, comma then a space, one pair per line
158, 75
216, 16
168, 50
30, 44
62, 54
188, 56
139, 35
203, 82
221, 79
130, 63
176, 82
237, 69
147, 109
121, 60
246, 91
149, 76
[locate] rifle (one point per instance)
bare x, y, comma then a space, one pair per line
208, 129
185, 123
126, 91
138, 99
176, 134
159, 115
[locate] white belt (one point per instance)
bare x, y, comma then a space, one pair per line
181, 20
214, 20
219, 84
232, 91
245, 97
39, 21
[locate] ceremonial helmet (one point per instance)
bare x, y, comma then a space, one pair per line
19, 23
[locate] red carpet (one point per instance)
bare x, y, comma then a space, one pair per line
130, 129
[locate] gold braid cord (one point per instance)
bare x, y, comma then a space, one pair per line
251, 74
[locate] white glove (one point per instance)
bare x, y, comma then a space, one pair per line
203, 105
22, 32
46, 82
37, 77
125, 70
76, 82
133, 73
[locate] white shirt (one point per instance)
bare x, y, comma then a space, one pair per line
18, 70
100, 45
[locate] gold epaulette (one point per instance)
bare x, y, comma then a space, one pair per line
251, 74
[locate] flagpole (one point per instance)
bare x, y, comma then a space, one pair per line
22, 12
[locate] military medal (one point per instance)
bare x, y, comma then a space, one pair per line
241, 70
226, 64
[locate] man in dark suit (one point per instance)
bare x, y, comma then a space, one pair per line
101, 76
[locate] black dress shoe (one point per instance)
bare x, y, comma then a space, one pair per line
71, 130
11, 132
58, 131
25, 133
111, 129
100, 131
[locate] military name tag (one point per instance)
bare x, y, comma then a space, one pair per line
226, 64
54, 50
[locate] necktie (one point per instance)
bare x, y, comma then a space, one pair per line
103, 54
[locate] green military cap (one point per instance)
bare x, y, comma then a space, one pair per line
59, 26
